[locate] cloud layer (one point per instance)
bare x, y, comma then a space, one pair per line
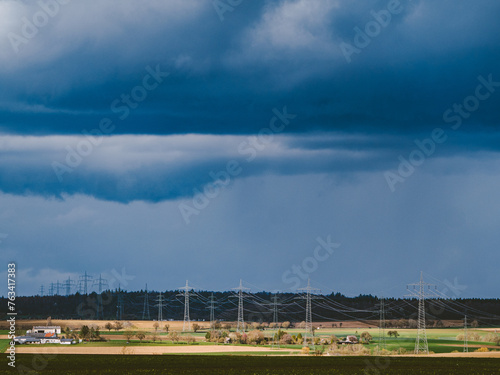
225, 77
155, 168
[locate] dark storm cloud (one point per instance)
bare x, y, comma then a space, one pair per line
158, 168
225, 77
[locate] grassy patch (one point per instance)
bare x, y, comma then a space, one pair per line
4, 343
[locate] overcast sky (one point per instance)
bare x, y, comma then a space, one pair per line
352, 142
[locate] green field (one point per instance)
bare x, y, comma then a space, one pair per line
249, 365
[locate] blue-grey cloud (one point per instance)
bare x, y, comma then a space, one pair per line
225, 77
156, 168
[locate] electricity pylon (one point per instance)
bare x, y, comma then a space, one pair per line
160, 307
466, 341
68, 284
212, 312
186, 326
101, 285
51, 289
119, 305
275, 304
421, 345
381, 326
145, 310
309, 327
42, 290
85, 279
58, 288
240, 327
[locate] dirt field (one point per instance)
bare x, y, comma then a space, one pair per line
149, 350
142, 325
184, 349
133, 325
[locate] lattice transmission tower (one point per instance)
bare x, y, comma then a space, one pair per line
102, 284
421, 345
145, 311
211, 307
466, 340
119, 305
51, 289
58, 286
240, 327
68, 285
159, 301
275, 305
186, 326
381, 326
84, 282
309, 334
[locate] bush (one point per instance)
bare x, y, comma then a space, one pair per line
356, 349
255, 337
490, 337
473, 336
305, 350
286, 339
213, 336
366, 337
235, 337
482, 350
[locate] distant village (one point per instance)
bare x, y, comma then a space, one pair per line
44, 335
